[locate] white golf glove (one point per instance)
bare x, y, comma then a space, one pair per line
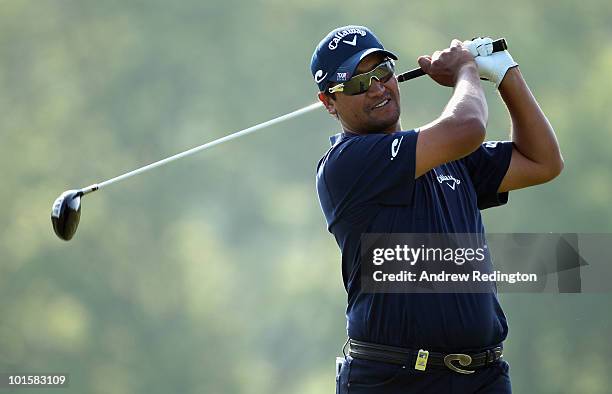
480, 46
491, 66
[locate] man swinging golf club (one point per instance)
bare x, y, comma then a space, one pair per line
377, 178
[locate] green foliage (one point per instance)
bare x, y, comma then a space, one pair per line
216, 274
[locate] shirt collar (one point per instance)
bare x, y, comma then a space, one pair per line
334, 139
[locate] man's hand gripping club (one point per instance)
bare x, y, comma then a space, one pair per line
491, 66
445, 66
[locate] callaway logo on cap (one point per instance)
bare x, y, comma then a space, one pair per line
338, 54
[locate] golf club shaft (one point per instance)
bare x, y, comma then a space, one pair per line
282, 118
498, 45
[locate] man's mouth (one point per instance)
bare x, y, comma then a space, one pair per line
381, 104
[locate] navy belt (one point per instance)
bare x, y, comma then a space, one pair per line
422, 359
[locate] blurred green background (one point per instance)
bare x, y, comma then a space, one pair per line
216, 274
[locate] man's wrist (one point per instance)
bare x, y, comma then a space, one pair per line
510, 78
468, 69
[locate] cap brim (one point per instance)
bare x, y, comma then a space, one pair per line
352, 62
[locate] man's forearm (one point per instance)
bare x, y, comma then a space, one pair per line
461, 127
468, 103
532, 134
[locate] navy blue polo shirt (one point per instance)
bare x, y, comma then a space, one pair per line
366, 184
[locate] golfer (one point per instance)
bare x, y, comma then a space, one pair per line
381, 178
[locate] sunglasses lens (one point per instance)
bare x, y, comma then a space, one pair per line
362, 82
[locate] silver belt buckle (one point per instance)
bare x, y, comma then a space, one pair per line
464, 361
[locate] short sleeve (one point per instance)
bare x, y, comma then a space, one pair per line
360, 171
487, 167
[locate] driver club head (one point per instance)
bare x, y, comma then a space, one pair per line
66, 213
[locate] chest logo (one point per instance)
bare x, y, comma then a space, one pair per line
449, 180
395, 145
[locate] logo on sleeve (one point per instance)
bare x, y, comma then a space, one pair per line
449, 180
395, 145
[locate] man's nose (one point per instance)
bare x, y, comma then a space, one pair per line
376, 88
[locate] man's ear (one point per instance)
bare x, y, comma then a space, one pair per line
329, 104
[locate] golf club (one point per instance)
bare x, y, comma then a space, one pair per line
66, 210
